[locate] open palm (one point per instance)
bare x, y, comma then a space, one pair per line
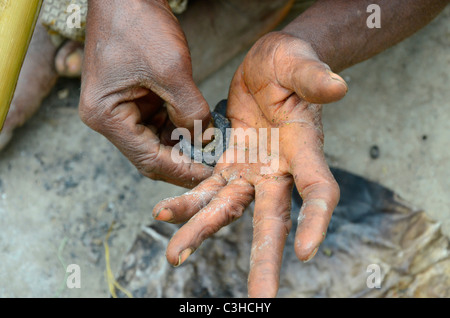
277, 90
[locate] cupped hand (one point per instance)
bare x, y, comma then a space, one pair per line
137, 85
276, 92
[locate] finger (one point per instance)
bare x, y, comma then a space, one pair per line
122, 124
314, 82
309, 78
320, 194
161, 166
228, 205
271, 225
182, 208
186, 104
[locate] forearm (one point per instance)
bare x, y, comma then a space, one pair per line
338, 32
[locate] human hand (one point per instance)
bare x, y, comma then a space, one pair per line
279, 87
137, 85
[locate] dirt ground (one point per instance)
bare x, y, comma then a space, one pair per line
63, 185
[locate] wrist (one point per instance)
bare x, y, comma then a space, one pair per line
175, 6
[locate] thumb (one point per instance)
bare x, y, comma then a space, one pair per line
311, 79
186, 104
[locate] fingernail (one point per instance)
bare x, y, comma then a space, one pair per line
164, 214
312, 255
336, 77
183, 256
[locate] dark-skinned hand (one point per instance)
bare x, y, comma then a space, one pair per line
137, 85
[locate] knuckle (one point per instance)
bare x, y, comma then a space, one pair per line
286, 221
334, 192
240, 198
280, 219
171, 62
206, 232
232, 209
90, 111
235, 210
148, 165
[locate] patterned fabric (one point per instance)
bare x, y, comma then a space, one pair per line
55, 15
